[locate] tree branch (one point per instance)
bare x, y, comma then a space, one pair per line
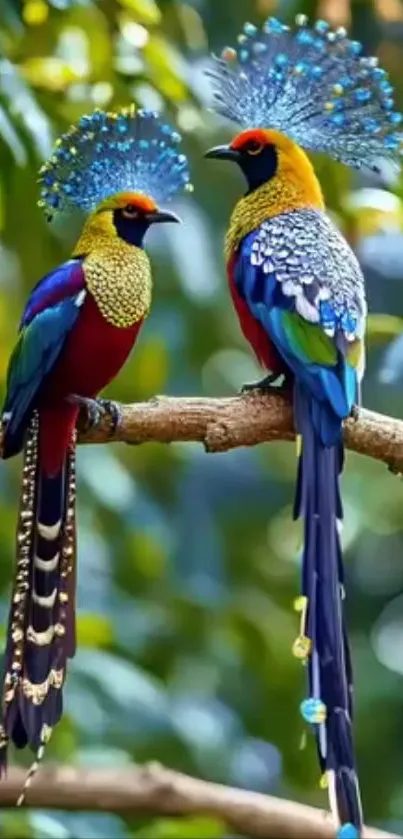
222, 424
156, 791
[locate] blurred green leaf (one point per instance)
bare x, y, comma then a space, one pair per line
96, 43
9, 136
50, 73
94, 631
186, 828
15, 824
163, 63
145, 11
384, 327
152, 363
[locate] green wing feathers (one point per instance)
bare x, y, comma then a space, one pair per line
308, 340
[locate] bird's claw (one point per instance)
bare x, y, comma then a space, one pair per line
96, 410
112, 411
91, 408
355, 413
273, 382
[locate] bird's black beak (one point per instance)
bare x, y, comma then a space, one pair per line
223, 153
161, 216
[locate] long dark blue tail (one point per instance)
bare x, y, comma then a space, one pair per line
323, 643
41, 630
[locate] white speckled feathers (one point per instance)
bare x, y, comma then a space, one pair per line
315, 268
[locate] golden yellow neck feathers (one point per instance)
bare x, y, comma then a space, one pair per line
294, 187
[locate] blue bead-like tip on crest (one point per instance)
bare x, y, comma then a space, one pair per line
107, 153
313, 84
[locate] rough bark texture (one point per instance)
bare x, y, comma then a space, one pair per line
156, 791
222, 424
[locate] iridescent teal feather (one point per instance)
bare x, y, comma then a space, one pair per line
50, 314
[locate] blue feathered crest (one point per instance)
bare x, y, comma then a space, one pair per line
108, 153
313, 85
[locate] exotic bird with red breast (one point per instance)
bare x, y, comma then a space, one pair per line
78, 328
299, 294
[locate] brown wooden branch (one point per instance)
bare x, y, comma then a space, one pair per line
222, 424
155, 791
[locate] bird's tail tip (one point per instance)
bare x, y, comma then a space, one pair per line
345, 803
348, 831
45, 736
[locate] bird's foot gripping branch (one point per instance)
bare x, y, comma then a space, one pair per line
94, 411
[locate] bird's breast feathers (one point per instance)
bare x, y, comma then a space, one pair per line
119, 278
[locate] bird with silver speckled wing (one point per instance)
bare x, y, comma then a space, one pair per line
316, 271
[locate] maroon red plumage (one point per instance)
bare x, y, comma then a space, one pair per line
265, 351
92, 356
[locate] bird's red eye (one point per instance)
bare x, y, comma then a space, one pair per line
253, 147
130, 211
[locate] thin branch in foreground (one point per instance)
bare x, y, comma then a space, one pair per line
155, 791
222, 424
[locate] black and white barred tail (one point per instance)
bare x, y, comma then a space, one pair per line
41, 629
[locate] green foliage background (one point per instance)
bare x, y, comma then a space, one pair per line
188, 563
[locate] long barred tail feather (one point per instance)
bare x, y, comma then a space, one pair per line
41, 631
322, 643
46, 734
67, 594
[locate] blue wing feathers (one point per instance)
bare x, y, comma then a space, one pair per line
49, 316
350, 384
64, 281
333, 387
